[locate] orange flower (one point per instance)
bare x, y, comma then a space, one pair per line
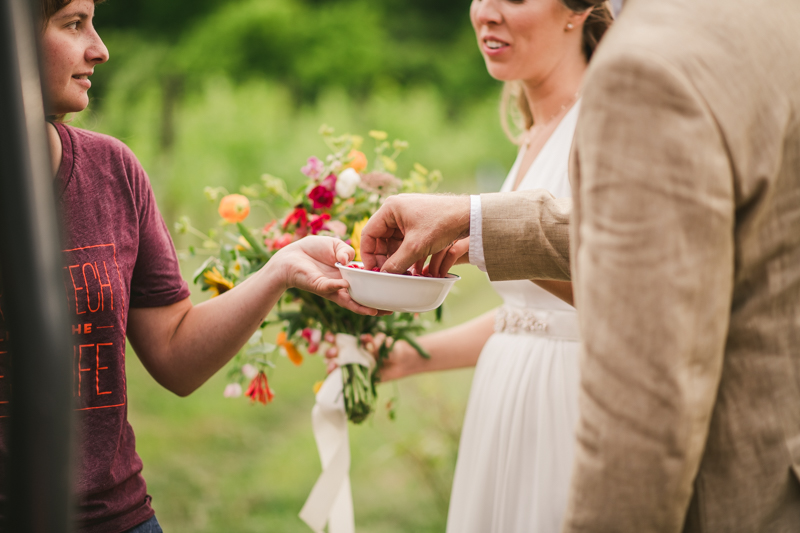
358, 161
259, 389
234, 208
291, 351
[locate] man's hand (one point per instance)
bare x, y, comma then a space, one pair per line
410, 227
442, 262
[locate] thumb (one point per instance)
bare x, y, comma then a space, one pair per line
344, 253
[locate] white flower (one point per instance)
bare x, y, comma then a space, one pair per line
233, 390
249, 371
347, 182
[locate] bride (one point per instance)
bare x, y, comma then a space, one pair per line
515, 456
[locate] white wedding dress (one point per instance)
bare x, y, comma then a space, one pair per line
515, 456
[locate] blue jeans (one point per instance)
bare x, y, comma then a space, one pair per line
151, 526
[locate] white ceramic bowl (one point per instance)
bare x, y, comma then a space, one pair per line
396, 292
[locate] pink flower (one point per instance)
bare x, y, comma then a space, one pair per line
313, 337
281, 241
318, 223
336, 227
313, 168
329, 182
249, 371
321, 196
382, 183
232, 390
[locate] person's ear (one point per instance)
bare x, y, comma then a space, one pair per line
576, 20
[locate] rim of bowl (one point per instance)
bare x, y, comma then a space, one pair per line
450, 277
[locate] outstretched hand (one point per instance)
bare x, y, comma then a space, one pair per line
309, 265
410, 227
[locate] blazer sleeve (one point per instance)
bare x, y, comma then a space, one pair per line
526, 235
653, 246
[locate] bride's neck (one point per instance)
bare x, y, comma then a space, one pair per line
549, 96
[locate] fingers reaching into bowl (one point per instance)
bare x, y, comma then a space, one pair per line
441, 262
410, 227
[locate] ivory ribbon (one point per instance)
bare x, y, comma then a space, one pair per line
331, 501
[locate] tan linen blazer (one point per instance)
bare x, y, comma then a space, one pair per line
685, 247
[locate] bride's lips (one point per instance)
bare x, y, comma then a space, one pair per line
83, 79
493, 46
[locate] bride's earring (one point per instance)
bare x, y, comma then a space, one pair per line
569, 26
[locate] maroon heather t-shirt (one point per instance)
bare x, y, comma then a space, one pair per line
118, 255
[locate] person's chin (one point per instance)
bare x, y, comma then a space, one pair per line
500, 73
73, 105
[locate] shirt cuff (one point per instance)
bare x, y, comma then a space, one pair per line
476, 233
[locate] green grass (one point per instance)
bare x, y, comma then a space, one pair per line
222, 465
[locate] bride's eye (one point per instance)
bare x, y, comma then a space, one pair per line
73, 25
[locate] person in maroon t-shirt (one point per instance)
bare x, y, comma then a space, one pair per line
121, 279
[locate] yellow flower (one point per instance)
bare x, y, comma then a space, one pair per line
243, 244
318, 386
378, 135
355, 238
216, 282
388, 163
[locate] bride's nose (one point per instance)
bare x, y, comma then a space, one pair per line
486, 12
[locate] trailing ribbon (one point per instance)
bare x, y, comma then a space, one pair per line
331, 501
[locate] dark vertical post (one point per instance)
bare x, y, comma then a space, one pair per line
38, 429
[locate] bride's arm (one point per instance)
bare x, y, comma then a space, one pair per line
559, 289
456, 347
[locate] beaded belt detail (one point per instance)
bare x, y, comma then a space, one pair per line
560, 324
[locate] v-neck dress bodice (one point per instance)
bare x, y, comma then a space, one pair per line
515, 457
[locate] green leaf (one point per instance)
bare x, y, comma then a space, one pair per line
424, 354
252, 241
199, 272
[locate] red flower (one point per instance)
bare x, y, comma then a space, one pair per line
318, 222
259, 389
321, 196
299, 219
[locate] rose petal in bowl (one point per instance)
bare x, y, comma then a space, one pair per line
396, 292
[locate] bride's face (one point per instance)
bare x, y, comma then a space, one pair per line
524, 39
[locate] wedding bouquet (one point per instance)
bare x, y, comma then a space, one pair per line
341, 191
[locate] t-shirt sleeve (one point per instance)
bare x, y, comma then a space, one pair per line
156, 279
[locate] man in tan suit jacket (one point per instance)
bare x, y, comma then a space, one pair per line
685, 262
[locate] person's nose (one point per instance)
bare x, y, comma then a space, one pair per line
96, 52
487, 12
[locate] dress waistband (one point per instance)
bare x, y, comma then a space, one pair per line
557, 324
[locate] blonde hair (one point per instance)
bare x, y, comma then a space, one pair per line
515, 113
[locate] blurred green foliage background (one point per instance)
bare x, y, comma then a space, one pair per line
212, 92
